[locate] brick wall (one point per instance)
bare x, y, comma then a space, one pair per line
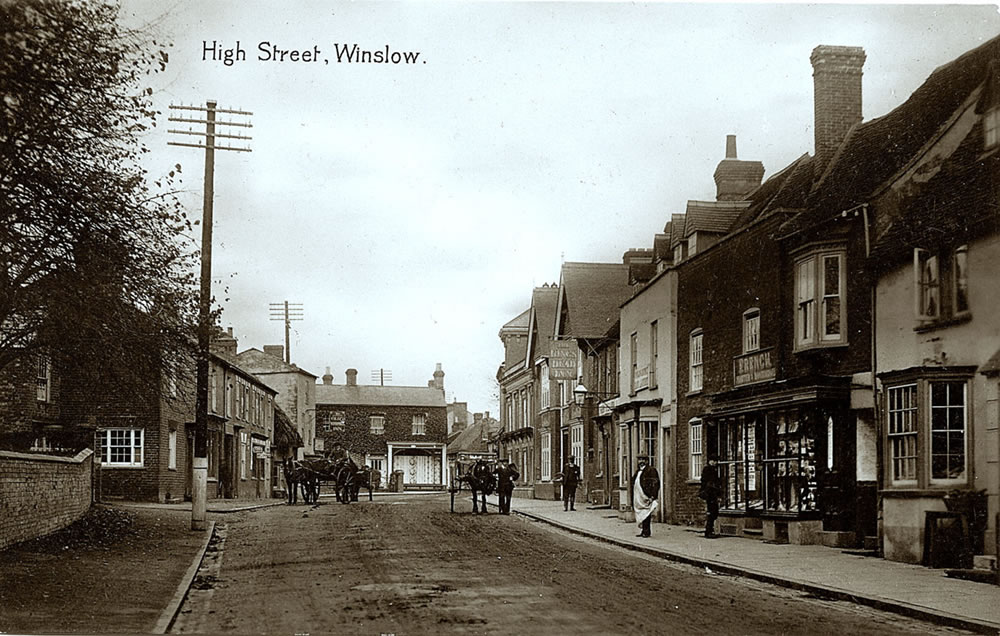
358, 438
40, 494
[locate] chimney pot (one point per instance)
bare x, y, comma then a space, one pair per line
730, 146
327, 377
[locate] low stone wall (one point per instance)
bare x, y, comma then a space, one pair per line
40, 494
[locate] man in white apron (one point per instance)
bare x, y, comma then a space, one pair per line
645, 489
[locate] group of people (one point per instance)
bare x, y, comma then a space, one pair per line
646, 487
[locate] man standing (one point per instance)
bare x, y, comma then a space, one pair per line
506, 473
570, 480
710, 491
645, 490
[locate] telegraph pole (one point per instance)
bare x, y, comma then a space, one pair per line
381, 376
286, 312
199, 477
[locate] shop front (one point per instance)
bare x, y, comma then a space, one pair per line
786, 462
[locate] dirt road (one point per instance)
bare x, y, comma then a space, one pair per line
408, 566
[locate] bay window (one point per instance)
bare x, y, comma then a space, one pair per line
928, 431
820, 300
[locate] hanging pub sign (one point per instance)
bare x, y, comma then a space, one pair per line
562, 360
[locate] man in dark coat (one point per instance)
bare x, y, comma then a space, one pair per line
506, 474
645, 490
570, 480
710, 491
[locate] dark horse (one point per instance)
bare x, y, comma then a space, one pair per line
298, 475
481, 482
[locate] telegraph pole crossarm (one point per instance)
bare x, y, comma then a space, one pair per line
287, 312
199, 477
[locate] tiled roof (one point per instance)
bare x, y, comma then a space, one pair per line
471, 439
786, 190
285, 434
950, 208
592, 294
377, 395
676, 225
712, 216
661, 245
543, 304
259, 363
876, 150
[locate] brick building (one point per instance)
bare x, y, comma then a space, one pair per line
390, 428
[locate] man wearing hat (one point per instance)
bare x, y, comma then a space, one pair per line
506, 474
570, 480
710, 491
645, 489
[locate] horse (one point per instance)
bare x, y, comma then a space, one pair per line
299, 475
481, 482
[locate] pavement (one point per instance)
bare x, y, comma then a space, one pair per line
911, 590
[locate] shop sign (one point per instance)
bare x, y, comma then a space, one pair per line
562, 360
642, 378
751, 368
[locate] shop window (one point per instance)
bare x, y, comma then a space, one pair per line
820, 309
696, 449
941, 284
576, 445
695, 361
927, 430
647, 441
767, 461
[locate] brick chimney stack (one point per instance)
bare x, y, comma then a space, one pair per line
352, 377
836, 96
438, 377
278, 351
224, 342
327, 377
734, 179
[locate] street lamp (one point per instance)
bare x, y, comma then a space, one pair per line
581, 393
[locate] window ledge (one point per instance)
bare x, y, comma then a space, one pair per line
916, 493
942, 323
821, 346
119, 467
693, 482
690, 393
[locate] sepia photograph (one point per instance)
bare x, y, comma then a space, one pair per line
499, 317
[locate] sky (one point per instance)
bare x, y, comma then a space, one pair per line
411, 208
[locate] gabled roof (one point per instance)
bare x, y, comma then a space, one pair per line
712, 216
233, 363
542, 320
676, 226
471, 439
876, 150
260, 363
377, 395
590, 295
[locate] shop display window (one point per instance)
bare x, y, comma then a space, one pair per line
768, 461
